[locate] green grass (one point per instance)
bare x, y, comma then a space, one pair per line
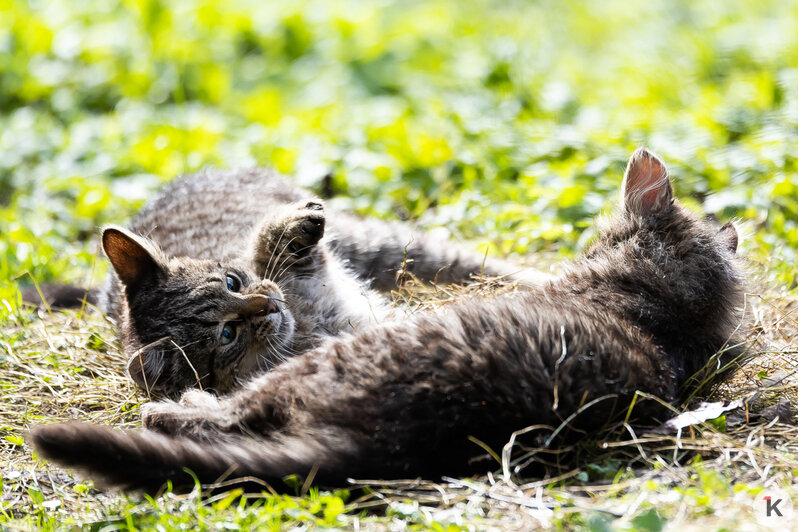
505, 123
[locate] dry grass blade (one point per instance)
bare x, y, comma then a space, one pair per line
58, 368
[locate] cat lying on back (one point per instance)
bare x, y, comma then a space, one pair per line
232, 276
647, 305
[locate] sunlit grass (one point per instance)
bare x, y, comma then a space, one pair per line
507, 123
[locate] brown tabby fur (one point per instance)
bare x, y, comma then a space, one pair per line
299, 284
651, 301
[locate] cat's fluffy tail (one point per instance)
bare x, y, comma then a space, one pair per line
58, 296
146, 460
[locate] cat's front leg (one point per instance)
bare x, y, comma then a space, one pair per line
288, 238
201, 416
199, 399
198, 415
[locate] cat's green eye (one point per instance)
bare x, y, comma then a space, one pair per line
229, 333
233, 284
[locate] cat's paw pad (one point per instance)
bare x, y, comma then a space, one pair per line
294, 230
306, 227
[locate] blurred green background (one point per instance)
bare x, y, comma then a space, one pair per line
506, 122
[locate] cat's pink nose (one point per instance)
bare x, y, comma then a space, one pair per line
258, 305
271, 306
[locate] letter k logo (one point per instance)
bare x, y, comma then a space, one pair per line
772, 506
774, 510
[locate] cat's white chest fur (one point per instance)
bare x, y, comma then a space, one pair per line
335, 298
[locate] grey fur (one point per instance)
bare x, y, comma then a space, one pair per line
651, 301
168, 288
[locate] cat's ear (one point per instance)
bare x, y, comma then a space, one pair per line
728, 235
146, 367
646, 188
134, 258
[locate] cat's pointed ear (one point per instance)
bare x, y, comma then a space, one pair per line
646, 188
134, 259
728, 234
146, 367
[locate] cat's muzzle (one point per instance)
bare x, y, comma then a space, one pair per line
259, 305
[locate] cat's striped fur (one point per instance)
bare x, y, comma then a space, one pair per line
649, 303
318, 271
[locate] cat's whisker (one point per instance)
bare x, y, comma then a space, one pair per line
278, 263
280, 278
296, 257
272, 257
286, 285
270, 362
295, 277
279, 350
291, 255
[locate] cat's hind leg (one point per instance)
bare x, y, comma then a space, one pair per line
383, 252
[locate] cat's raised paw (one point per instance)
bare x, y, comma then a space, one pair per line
292, 231
305, 227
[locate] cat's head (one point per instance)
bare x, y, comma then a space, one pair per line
191, 322
665, 268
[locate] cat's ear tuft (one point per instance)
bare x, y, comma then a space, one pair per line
646, 188
728, 234
132, 257
146, 366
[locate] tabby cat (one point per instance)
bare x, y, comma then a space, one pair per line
652, 299
232, 276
